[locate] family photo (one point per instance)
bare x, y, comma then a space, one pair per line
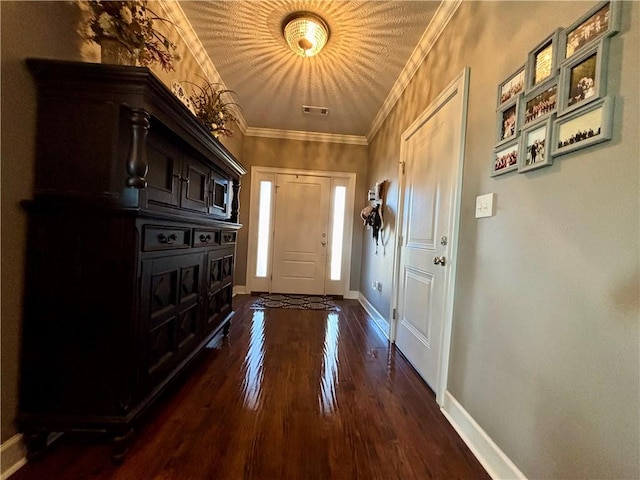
512, 87
541, 104
535, 146
508, 123
582, 82
506, 158
582, 128
588, 30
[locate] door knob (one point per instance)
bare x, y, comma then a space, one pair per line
440, 261
323, 243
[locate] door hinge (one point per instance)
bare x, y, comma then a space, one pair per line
394, 315
403, 164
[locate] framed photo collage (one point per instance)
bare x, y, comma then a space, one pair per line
557, 101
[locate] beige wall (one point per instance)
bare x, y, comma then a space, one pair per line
545, 346
303, 155
28, 29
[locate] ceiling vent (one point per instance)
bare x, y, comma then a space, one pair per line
315, 111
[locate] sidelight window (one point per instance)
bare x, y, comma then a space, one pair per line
264, 221
339, 198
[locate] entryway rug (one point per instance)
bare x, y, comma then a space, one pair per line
298, 302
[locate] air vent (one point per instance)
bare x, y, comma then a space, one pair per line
316, 111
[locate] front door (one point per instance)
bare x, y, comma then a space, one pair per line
301, 234
431, 154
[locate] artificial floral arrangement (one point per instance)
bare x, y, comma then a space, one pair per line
211, 108
131, 24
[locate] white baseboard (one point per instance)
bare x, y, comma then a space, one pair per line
494, 460
13, 456
352, 295
378, 319
239, 290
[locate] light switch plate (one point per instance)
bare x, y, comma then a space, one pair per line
484, 205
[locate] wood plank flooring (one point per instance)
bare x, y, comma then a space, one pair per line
289, 394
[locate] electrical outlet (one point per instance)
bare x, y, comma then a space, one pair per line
484, 205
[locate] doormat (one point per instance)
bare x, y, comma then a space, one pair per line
297, 302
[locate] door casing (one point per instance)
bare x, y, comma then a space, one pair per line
346, 179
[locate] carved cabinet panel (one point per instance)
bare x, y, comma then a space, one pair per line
171, 288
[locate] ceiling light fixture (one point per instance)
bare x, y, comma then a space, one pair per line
305, 33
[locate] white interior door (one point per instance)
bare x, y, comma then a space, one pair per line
431, 155
301, 234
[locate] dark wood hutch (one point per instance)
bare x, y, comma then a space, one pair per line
130, 250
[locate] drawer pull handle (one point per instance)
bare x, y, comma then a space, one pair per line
162, 238
181, 178
205, 238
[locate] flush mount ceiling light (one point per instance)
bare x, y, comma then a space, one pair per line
305, 33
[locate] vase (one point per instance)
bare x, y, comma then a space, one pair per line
114, 52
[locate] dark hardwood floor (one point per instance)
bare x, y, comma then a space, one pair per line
289, 394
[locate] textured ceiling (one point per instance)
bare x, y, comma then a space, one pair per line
369, 45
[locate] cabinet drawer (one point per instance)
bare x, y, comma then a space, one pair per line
228, 237
205, 238
165, 238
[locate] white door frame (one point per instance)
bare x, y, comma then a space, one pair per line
460, 85
346, 178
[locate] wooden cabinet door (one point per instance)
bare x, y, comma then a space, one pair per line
219, 288
171, 289
195, 184
164, 171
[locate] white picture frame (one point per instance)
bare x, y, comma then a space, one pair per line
583, 77
505, 158
542, 61
512, 86
507, 121
535, 146
539, 103
601, 21
584, 127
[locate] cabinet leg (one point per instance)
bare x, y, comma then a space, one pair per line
36, 443
120, 442
225, 329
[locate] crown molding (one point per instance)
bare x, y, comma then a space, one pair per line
175, 14
307, 136
435, 28
440, 20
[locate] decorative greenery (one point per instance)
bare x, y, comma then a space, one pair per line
131, 23
211, 108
